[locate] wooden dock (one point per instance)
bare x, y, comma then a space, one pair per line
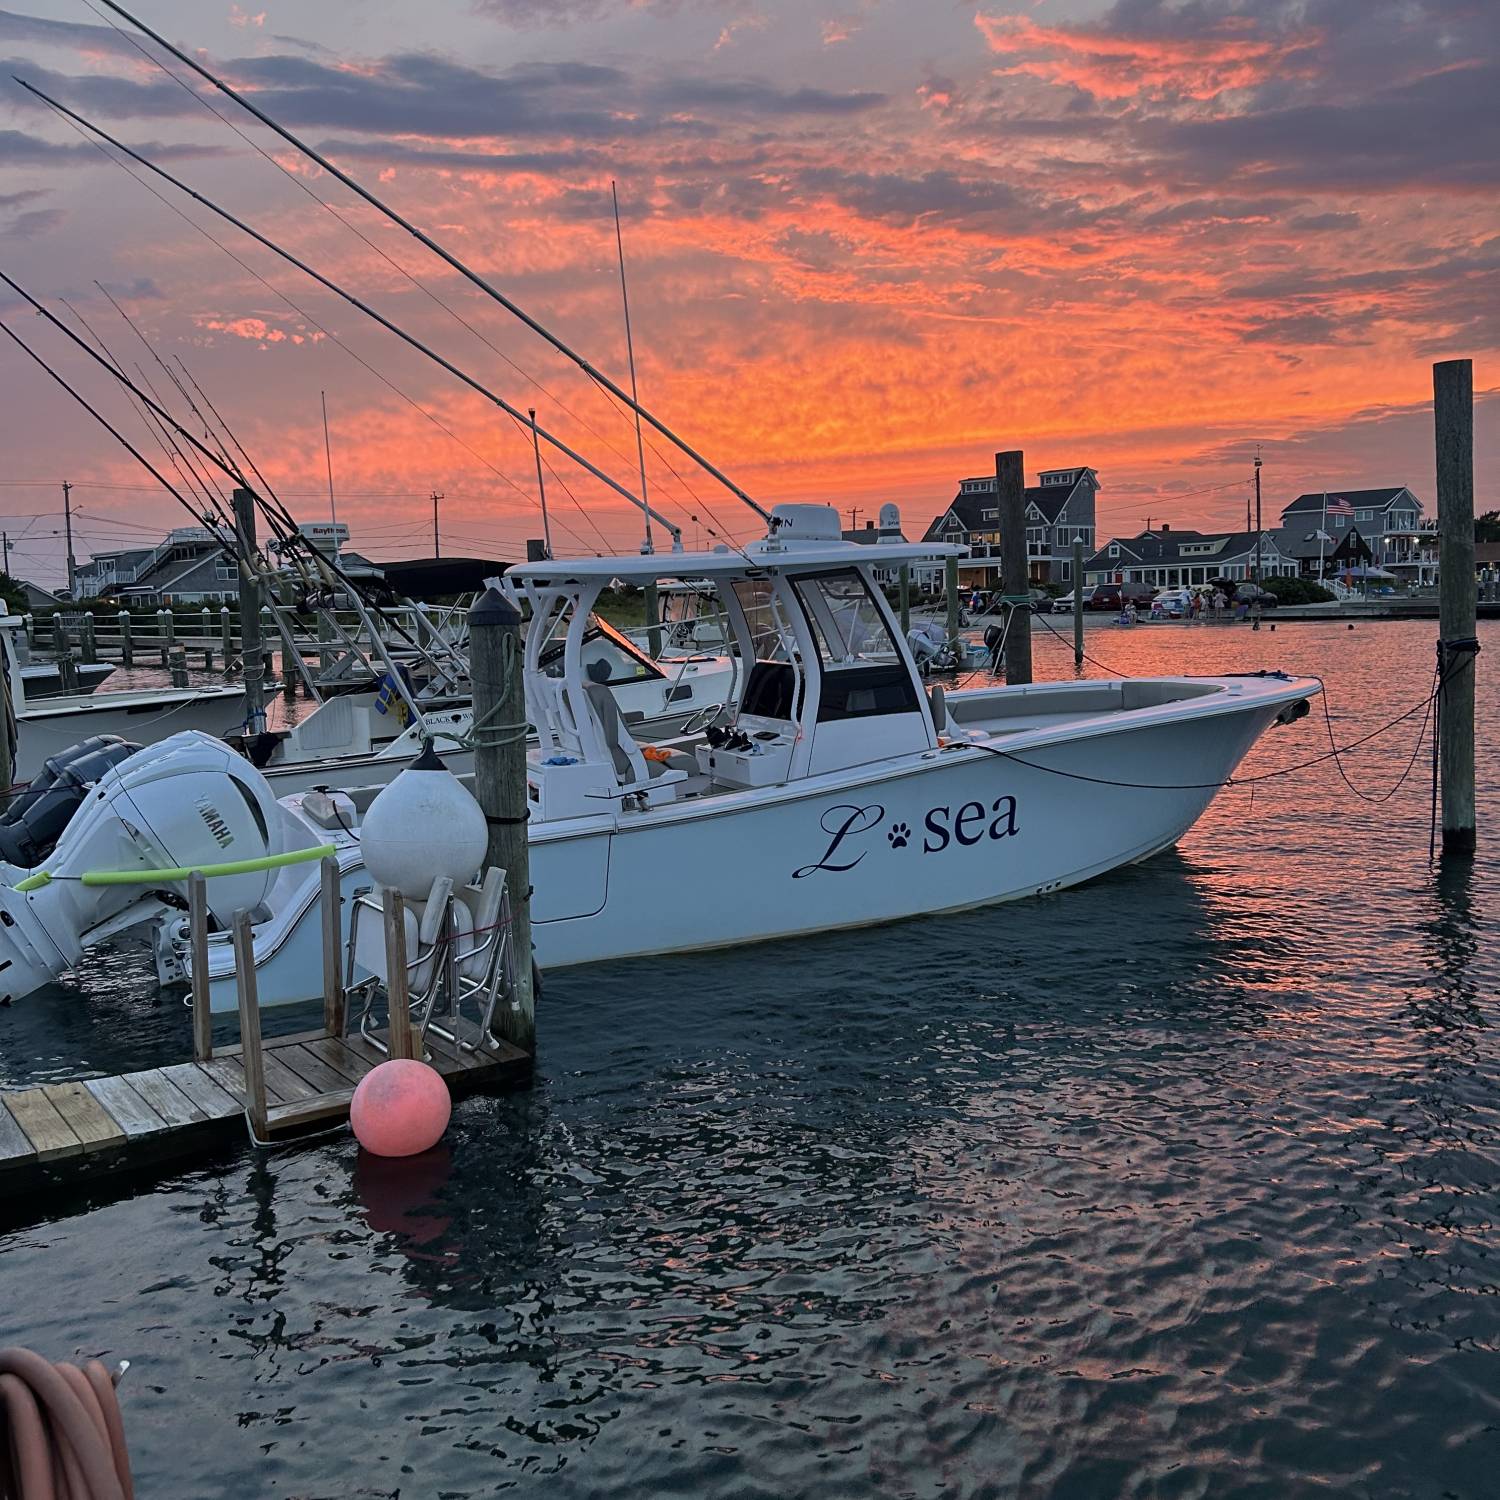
64, 1131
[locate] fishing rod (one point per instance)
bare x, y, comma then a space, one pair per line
357, 303
452, 260
283, 525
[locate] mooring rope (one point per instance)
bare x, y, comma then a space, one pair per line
1205, 786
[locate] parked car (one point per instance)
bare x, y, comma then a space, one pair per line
1174, 602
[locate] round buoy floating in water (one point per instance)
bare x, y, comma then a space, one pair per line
401, 1107
423, 825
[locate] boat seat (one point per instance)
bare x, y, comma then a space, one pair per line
632, 768
480, 904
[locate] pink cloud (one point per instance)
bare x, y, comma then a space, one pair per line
1119, 65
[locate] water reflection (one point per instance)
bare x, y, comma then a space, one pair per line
1179, 1182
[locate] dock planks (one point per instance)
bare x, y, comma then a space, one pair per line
63, 1131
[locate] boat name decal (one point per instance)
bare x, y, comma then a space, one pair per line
840, 823
941, 827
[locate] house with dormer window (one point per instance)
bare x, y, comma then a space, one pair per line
1059, 508
1389, 520
1164, 557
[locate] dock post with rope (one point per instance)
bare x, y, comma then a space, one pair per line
1077, 604
251, 650
1453, 429
1010, 495
495, 671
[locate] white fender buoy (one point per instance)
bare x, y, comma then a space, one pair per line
423, 825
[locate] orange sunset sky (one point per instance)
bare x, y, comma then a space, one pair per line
869, 243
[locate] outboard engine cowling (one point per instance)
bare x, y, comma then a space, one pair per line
187, 802
31, 826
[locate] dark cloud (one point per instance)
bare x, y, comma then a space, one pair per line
985, 204
399, 153
422, 94
76, 36
31, 225
1442, 130
17, 149
1269, 95
1318, 223
526, 13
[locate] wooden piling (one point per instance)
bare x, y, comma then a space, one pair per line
1453, 427
226, 634
950, 589
1010, 493
397, 988
333, 949
203, 1023
495, 672
7, 763
251, 650
1077, 603
166, 628
251, 1058
88, 646
653, 620
127, 645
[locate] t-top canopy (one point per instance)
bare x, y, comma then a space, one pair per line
801, 537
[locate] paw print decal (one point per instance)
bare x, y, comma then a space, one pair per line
899, 835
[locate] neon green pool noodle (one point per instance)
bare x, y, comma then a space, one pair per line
234, 867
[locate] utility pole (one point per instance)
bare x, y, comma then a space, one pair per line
541, 487
437, 541
1453, 430
854, 511
1257, 515
5, 543
333, 514
68, 533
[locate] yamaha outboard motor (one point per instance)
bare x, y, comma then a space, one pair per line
185, 803
31, 826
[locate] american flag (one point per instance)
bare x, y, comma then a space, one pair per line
1339, 506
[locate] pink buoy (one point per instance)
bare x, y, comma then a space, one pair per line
400, 1107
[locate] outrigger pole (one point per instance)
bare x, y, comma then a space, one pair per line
473, 276
513, 412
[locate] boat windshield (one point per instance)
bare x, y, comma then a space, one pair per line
845, 621
605, 658
770, 632
863, 673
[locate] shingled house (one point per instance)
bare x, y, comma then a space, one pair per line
1390, 520
1164, 557
1059, 507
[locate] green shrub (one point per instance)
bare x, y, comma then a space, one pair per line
1297, 590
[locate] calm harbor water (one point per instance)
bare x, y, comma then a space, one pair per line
1179, 1184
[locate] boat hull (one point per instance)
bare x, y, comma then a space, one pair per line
944, 830
55, 724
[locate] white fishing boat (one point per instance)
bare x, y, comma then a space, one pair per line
366, 738
834, 792
47, 726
